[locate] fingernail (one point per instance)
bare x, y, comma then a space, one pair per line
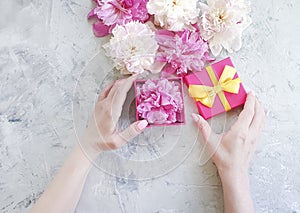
142, 124
252, 92
195, 117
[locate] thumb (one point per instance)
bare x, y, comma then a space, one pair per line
132, 131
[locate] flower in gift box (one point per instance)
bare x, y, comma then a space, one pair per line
160, 102
216, 89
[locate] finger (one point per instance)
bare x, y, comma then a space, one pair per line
211, 139
116, 108
103, 94
120, 86
119, 97
114, 88
203, 126
246, 116
131, 132
121, 91
258, 121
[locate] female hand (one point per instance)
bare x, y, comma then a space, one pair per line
232, 151
102, 133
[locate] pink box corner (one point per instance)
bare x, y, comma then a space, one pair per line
183, 109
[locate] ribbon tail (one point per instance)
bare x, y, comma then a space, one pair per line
207, 101
232, 86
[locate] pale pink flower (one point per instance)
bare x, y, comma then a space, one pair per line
222, 23
182, 51
110, 13
160, 101
132, 48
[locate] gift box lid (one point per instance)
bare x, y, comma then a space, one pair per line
203, 78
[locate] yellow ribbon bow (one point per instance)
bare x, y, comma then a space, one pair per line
206, 94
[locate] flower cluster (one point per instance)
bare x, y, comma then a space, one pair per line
174, 36
160, 101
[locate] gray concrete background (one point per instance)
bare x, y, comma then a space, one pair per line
46, 95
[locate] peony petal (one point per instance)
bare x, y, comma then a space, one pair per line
100, 29
92, 14
236, 43
162, 35
169, 69
204, 7
109, 17
215, 49
231, 40
157, 66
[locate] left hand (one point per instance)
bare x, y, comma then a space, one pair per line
102, 133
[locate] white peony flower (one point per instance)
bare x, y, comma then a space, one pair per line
174, 15
132, 48
222, 23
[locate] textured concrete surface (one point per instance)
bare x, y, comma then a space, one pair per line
51, 67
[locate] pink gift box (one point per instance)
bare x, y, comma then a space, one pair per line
203, 78
181, 116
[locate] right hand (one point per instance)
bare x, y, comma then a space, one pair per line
232, 151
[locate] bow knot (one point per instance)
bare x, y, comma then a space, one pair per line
217, 89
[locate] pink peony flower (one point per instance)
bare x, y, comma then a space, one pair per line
182, 51
160, 101
110, 13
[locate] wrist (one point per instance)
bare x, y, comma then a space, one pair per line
236, 180
88, 146
231, 169
88, 151
236, 190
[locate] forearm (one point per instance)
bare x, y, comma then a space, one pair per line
236, 190
63, 193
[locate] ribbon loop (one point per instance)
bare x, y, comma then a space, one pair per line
206, 94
